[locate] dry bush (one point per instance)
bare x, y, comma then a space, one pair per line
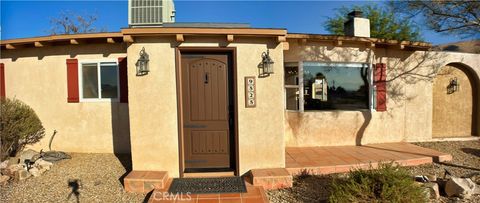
19, 126
388, 183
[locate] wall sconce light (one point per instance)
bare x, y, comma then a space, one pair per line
142, 63
267, 64
452, 86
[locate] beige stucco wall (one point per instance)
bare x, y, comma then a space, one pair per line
452, 118
153, 104
409, 98
38, 77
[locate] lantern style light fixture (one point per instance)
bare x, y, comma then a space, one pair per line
267, 63
452, 86
142, 63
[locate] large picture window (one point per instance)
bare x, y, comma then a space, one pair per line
327, 86
99, 81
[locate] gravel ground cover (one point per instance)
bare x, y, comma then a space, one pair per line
98, 177
466, 163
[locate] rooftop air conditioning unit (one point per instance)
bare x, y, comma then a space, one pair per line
150, 12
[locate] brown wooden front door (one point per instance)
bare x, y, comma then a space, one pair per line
206, 117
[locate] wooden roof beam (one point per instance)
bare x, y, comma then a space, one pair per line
128, 38
110, 40
282, 38
371, 45
230, 38
40, 44
286, 46
179, 38
9, 46
302, 41
74, 41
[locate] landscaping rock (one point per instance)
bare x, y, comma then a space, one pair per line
10, 170
460, 187
13, 161
4, 164
432, 190
43, 169
28, 154
475, 177
34, 171
21, 175
432, 178
43, 163
4, 180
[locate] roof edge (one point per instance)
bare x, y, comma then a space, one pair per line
380, 41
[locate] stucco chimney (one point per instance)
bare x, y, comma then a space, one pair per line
357, 25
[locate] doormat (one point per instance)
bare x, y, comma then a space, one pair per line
208, 185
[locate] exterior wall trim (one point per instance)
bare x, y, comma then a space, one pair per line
80, 80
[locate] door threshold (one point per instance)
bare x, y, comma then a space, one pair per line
208, 174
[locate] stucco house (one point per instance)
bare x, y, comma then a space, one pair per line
227, 97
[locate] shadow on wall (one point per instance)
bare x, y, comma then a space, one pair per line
121, 134
404, 68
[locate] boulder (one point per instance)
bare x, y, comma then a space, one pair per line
13, 161
43, 169
432, 191
4, 180
21, 175
41, 162
10, 170
4, 164
35, 172
432, 178
28, 154
460, 187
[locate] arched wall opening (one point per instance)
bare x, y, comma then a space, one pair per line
455, 107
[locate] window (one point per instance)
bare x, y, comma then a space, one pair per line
291, 86
327, 86
99, 81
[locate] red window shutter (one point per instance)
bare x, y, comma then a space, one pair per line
381, 86
72, 81
123, 74
2, 81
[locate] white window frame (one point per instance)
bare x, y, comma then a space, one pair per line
371, 88
80, 80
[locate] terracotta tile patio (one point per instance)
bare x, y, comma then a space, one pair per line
325, 160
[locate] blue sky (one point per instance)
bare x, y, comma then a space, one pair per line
21, 19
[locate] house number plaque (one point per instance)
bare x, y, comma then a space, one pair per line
250, 92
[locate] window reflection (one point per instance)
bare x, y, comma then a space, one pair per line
90, 81
99, 80
109, 80
331, 86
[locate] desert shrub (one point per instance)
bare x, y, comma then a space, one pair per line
387, 183
19, 126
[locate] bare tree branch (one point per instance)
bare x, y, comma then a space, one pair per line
71, 23
450, 17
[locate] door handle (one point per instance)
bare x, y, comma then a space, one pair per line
194, 126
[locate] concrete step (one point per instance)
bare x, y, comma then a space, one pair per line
145, 181
271, 178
